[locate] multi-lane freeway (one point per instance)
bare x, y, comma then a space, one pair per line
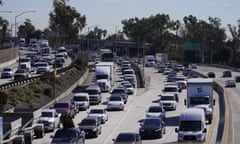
135, 110
232, 95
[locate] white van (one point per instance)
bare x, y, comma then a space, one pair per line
192, 125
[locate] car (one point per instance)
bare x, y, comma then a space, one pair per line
211, 75
237, 79
115, 102
230, 83
99, 113
65, 107
227, 74
59, 62
68, 135
42, 67
129, 88
50, 119
194, 66
120, 91
7, 73
156, 111
91, 126
128, 138
168, 101
172, 88
94, 92
21, 74
81, 100
152, 127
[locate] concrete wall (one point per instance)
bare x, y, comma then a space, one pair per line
8, 55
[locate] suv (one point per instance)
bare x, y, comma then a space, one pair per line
65, 108
7, 73
50, 119
168, 101
94, 93
81, 100
99, 113
227, 74
91, 126
152, 127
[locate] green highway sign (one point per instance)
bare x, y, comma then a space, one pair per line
191, 46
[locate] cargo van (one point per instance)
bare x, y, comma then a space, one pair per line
192, 126
94, 93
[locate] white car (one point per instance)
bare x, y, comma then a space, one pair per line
168, 101
129, 88
81, 100
115, 102
99, 113
156, 112
50, 119
42, 67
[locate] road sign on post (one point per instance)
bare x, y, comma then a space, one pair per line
191, 46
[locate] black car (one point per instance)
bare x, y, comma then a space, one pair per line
227, 74
91, 126
237, 79
152, 127
128, 137
211, 75
69, 135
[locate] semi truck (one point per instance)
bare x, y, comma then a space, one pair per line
20, 125
104, 74
200, 95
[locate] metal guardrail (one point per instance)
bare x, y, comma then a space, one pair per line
32, 79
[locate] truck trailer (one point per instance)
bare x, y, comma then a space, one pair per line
200, 95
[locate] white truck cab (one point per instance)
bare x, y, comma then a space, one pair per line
192, 126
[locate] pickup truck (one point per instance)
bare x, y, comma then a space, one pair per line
50, 119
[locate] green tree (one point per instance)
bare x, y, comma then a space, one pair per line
66, 21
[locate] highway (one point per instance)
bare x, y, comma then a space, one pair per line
68, 61
234, 100
135, 110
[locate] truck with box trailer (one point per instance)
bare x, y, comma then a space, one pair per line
161, 58
200, 95
20, 125
104, 74
149, 60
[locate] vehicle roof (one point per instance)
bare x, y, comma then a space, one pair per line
192, 114
48, 110
199, 80
81, 94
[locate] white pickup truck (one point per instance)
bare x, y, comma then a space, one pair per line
50, 119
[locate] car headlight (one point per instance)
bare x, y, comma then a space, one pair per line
199, 136
95, 129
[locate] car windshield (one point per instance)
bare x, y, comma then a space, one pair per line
125, 138
199, 100
61, 105
46, 114
118, 91
190, 126
88, 122
76, 98
115, 98
170, 89
155, 109
7, 69
151, 122
92, 92
20, 71
98, 111
65, 135
167, 98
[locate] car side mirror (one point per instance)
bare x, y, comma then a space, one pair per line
51, 136
113, 140
204, 130
213, 101
176, 130
185, 102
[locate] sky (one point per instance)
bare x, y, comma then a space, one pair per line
108, 14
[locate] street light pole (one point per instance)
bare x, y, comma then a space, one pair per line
16, 30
